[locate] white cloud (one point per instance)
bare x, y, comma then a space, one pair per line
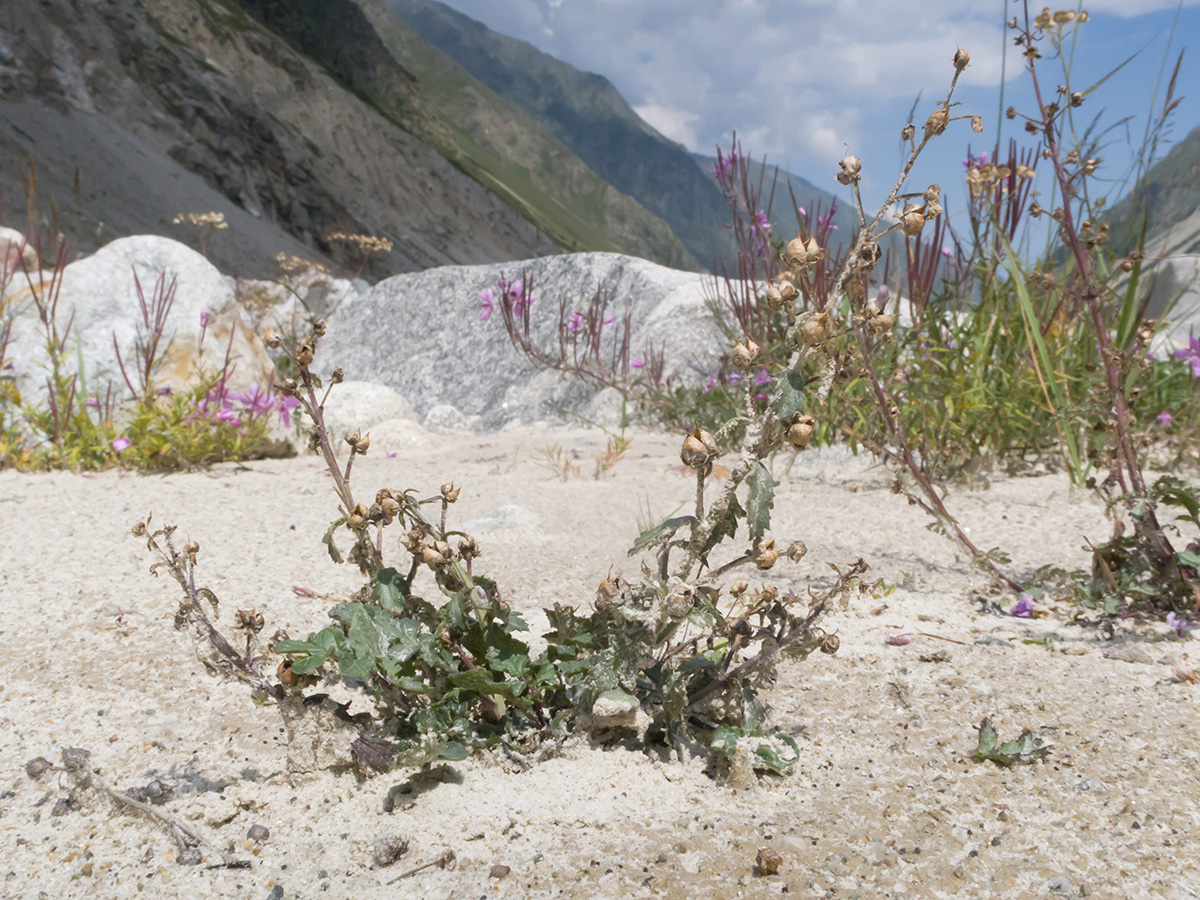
677, 124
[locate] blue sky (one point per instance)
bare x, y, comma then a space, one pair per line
803, 81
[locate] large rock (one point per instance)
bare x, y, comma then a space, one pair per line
422, 333
99, 299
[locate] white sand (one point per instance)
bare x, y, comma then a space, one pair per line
885, 802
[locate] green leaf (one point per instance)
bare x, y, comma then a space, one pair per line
725, 526
481, 681
334, 553
454, 751
389, 590
658, 533
1188, 558
790, 400
760, 501
1024, 749
779, 755
316, 649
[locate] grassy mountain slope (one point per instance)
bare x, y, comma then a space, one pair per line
511, 154
587, 114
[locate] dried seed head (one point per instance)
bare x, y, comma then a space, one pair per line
830, 644
467, 548
363, 445
816, 330
1035, 209
912, 220
353, 438
788, 290
1064, 17
933, 193
696, 452
800, 432
773, 297
612, 593
765, 554
249, 620
337, 376
882, 324
1089, 166
799, 254
436, 554
678, 602
768, 861
318, 328
450, 492
412, 540
977, 124
738, 588
289, 388
271, 339
936, 123
190, 549
390, 508
961, 59
796, 551
907, 132
1010, 113
851, 170
357, 518
745, 355
305, 352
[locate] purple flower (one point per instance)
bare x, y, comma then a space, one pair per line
636, 363
975, 163
487, 303
1180, 624
576, 320
121, 444
92, 403
763, 223
608, 320
947, 252
1165, 418
256, 401
762, 377
286, 405
883, 296
899, 640
802, 213
1023, 608
952, 344
203, 319
1191, 355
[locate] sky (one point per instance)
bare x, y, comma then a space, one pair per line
804, 82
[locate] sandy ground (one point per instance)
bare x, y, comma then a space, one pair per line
885, 802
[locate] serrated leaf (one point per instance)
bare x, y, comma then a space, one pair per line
791, 396
725, 526
658, 533
334, 553
1024, 749
1188, 558
389, 590
760, 501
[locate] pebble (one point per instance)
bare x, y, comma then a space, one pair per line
389, 848
258, 833
499, 871
37, 767
1129, 652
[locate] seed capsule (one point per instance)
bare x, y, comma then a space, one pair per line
698, 448
800, 432
450, 492
851, 169
745, 355
765, 554
962, 59
816, 330
797, 550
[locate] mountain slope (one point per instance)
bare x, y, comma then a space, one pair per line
294, 120
589, 116
512, 154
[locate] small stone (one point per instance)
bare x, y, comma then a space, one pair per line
389, 848
767, 862
499, 871
86, 870
1061, 886
276, 893
1129, 652
189, 856
62, 806
37, 767
258, 833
